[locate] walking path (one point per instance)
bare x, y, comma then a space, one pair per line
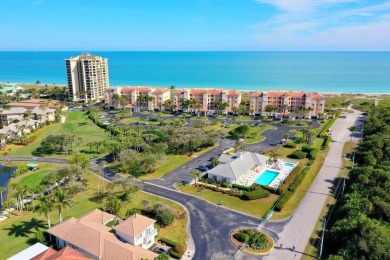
296, 234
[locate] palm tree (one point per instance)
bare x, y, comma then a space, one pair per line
113, 204
3, 137
8, 205
352, 129
214, 162
61, 201
196, 175
44, 107
273, 155
309, 135
172, 88
44, 207
268, 109
2, 189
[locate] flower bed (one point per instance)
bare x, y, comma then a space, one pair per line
248, 249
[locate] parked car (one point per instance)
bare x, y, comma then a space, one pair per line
241, 140
203, 168
160, 251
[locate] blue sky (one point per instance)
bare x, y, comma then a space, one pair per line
195, 25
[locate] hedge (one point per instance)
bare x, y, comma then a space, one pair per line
297, 154
241, 187
299, 180
279, 206
256, 194
174, 254
326, 142
297, 170
225, 185
307, 149
290, 145
168, 242
327, 126
313, 154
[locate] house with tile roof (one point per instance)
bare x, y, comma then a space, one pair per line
66, 253
90, 236
288, 103
235, 168
138, 230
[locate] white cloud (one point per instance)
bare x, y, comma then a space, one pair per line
314, 24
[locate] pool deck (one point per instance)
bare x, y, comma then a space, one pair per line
284, 172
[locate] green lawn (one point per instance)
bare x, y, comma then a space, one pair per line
253, 207
254, 136
130, 120
18, 232
77, 123
172, 162
243, 118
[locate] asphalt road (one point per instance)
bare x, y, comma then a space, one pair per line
298, 230
211, 225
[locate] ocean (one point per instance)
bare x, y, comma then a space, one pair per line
356, 72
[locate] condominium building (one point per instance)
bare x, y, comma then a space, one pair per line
137, 97
87, 77
206, 98
288, 102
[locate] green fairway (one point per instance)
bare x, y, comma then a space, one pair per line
77, 123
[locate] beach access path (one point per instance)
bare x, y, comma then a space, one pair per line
297, 232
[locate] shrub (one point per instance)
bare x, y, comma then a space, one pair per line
174, 254
241, 236
164, 214
256, 194
326, 142
307, 149
181, 249
225, 185
298, 155
239, 131
279, 206
259, 241
313, 154
40, 236
327, 126
241, 187
297, 170
162, 257
290, 145
132, 212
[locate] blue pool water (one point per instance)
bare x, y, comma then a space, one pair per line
288, 164
266, 178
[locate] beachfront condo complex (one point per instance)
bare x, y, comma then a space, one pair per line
87, 77
287, 103
283, 103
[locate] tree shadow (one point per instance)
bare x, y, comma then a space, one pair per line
82, 124
98, 198
26, 228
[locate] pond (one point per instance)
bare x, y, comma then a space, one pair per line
5, 175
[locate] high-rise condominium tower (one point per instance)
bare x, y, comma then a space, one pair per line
87, 77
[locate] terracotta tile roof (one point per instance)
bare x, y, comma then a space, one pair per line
196, 91
316, 95
45, 254
161, 90
214, 91
67, 253
203, 109
256, 94
129, 106
234, 93
89, 234
134, 225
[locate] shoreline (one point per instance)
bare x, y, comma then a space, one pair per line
242, 90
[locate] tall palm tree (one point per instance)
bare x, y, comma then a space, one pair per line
113, 204
61, 200
3, 137
44, 107
2, 189
196, 175
44, 207
172, 88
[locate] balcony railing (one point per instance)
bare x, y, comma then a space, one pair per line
153, 233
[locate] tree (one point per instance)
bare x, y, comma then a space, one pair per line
113, 204
164, 214
172, 88
286, 136
195, 174
8, 205
44, 207
2, 189
352, 129
37, 82
214, 162
61, 201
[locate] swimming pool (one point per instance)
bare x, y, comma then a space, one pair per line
288, 164
266, 177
